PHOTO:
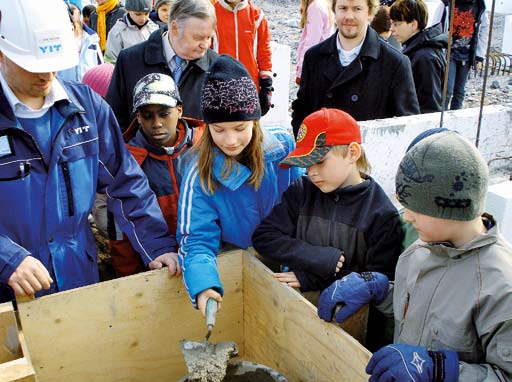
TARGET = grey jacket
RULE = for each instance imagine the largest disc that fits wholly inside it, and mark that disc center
(458, 299)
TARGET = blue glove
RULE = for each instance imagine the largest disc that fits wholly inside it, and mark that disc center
(413, 364)
(353, 292)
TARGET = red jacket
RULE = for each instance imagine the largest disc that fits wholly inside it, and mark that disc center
(164, 171)
(243, 33)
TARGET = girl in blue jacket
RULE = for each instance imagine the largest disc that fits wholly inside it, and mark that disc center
(235, 180)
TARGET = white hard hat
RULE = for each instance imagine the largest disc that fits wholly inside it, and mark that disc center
(37, 35)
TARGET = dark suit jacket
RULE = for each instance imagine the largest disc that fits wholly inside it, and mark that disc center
(377, 84)
(135, 62)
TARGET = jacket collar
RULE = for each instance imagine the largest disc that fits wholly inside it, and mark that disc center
(370, 48)
(429, 37)
(333, 70)
(154, 52)
(185, 138)
(482, 240)
(273, 150)
(241, 5)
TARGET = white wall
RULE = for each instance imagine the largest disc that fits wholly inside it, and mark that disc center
(386, 140)
(278, 115)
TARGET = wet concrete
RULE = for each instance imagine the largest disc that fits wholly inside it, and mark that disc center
(207, 362)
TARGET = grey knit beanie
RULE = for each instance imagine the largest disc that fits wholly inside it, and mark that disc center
(138, 5)
(444, 176)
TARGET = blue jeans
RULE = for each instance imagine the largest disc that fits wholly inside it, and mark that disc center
(457, 78)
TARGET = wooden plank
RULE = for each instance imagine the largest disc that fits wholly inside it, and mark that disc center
(282, 330)
(10, 348)
(126, 329)
(19, 370)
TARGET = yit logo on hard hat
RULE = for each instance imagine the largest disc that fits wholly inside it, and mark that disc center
(50, 48)
(49, 43)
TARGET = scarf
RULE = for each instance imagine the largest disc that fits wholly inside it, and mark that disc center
(102, 11)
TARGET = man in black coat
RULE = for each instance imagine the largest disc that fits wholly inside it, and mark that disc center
(182, 52)
(424, 47)
(355, 71)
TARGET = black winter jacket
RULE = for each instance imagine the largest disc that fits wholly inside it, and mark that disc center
(309, 230)
(426, 50)
(135, 62)
(377, 84)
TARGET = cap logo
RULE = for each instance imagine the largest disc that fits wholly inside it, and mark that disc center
(301, 134)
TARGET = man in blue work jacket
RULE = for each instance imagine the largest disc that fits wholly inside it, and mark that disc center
(59, 144)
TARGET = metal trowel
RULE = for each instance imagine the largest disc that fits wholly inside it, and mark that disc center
(211, 313)
(207, 362)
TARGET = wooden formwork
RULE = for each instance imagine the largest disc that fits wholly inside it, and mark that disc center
(128, 330)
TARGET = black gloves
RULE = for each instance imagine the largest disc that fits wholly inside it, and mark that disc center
(265, 95)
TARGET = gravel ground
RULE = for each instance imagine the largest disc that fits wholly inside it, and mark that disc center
(283, 17)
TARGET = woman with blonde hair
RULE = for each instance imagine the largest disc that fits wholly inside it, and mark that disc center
(234, 182)
(317, 23)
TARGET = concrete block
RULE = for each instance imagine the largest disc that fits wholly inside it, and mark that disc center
(507, 35)
(278, 115)
(502, 6)
(499, 204)
(385, 140)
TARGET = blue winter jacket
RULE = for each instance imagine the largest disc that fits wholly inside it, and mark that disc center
(45, 203)
(230, 214)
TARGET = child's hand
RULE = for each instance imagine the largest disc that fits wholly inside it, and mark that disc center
(288, 278)
(341, 260)
(204, 296)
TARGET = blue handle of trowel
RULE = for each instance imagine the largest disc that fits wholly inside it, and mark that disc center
(211, 312)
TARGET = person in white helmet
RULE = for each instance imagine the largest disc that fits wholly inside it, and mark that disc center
(59, 144)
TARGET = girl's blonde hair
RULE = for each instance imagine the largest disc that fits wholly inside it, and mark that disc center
(304, 4)
(251, 157)
(363, 165)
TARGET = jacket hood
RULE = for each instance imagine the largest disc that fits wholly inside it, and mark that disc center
(432, 37)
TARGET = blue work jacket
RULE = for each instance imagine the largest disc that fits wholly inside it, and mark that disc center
(45, 202)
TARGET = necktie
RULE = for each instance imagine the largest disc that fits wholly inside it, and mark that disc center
(178, 69)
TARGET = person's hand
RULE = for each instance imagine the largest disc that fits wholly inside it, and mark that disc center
(288, 278)
(30, 277)
(399, 362)
(203, 297)
(352, 292)
(479, 65)
(339, 265)
(265, 95)
(169, 259)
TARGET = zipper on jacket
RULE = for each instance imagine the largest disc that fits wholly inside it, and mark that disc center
(67, 182)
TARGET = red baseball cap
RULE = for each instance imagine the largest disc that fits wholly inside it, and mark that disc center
(318, 133)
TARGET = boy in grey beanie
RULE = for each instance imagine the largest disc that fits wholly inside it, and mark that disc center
(451, 299)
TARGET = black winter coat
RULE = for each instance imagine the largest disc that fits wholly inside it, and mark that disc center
(135, 62)
(377, 84)
(309, 230)
(426, 50)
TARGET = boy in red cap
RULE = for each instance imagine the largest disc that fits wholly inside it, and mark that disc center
(334, 220)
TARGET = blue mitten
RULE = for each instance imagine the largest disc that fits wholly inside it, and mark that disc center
(413, 363)
(352, 292)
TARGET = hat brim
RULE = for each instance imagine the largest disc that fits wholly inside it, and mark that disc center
(304, 157)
